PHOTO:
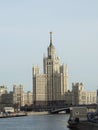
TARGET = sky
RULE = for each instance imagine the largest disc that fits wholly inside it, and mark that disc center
(24, 38)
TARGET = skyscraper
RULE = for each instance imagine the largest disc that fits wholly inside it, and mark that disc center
(49, 88)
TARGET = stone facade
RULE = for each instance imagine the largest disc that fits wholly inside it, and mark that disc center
(7, 99)
(15, 98)
(78, 94)
(3, 90)
(91, 97)
(49, 88)
(81, 96)
(28, 98)
(20, 97)
(3, 97)
(68, 98)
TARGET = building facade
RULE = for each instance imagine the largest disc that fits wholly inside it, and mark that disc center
(3, 90)
(81, 96)
(49, 88)
(91, 97)
(7, 99)
(68, 98)
(16, 98)
(28, 98)
(20, 97)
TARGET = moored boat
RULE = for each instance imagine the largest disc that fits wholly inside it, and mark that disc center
(81, 119)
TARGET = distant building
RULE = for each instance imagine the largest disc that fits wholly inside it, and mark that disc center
(28, 98)
(16, 98)
(9, 109)
(68, 98)
(81, 96)
(78, 94)
(7, 99)
(49, 88)
(91, 97)
(20, 97)
(3, 90)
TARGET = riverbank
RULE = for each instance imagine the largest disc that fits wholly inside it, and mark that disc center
(7, 115)
(37, 113)
(19, 114)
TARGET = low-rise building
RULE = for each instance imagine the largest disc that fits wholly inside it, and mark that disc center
(7, 99)
(81, 96)
(28, 98)
(20, 97)
(16, 98)
(91, 97)
(68, 98)
(3, 90)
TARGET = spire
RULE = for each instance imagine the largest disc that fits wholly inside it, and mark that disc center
(50, 38)
(66, 70)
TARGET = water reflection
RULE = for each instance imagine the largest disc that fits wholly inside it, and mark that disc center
(42, 122)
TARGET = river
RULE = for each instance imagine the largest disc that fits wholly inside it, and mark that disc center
(35, 122)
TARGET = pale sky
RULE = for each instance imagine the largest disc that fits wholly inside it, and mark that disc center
(24, 38)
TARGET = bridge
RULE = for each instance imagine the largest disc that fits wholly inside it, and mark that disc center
(56, 111)
(66, 109)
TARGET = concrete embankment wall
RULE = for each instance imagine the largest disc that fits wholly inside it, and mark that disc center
(37, 113)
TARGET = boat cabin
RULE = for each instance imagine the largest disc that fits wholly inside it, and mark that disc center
(79, 113)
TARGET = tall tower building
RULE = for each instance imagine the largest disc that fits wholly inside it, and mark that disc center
(49, 88)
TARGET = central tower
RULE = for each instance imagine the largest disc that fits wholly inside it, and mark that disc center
(51, 49)
(54, 80)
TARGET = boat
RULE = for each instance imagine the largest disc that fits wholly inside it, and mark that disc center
(81, 119)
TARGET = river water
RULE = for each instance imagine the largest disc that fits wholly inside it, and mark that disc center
(36, 122)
